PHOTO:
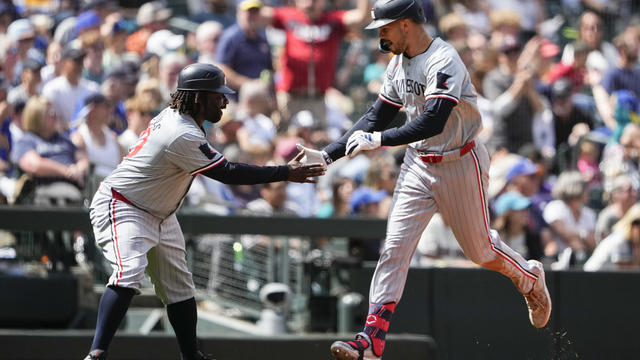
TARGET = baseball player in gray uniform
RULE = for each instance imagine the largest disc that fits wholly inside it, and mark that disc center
(444, 170)
(133, 211)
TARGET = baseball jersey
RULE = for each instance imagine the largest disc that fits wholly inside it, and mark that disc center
(160, 166)
(436, 73)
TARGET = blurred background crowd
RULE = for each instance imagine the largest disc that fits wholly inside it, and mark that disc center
(558, 86)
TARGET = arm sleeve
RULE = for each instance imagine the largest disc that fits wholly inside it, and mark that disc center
(376, 118)
(430, 123)
(244, 174)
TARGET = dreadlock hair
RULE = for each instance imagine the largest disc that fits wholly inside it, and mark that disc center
(186, 101)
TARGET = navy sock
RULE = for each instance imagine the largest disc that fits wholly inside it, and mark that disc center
(183, 316)
(113, 306)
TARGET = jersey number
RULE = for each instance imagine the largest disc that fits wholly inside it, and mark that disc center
(141, 141)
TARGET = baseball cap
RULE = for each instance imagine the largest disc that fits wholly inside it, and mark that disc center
(31, 64)
(561, 87)
(549, 49)
(95, 98)
(20, 29)
(364, 196)
(122, 72)
(249, 4)
(152, 11)
(522, 167)
(164, 41)
(86, 21)
(510, 201)
(72, 53)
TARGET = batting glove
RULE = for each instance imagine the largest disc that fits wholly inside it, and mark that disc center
(361, 140)
(312, 156)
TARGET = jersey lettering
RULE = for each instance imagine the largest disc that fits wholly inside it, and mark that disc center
(144, 136)
(409, 86)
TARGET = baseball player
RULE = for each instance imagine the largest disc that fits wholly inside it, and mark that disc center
(444, 170)
(133, 211)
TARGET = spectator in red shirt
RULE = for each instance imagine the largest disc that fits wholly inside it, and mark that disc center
(310, 53)
(575, 71)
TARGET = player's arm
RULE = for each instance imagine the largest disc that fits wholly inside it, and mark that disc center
(244, 174)
(376, 118)
(428, 124)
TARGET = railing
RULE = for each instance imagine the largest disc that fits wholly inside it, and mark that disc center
(231, 257)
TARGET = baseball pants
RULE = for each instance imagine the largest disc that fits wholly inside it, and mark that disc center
(457, 189)
(134, 241)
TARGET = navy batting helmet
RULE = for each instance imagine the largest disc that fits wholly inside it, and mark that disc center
(203, 77)
(387, 11)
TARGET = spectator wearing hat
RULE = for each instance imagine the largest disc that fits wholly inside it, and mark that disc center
(119, 86)
(243, 52)
(570, 122)
(29, 82)
(163, 42)
(22, 35)
(512, 223)
(365, 202)
(8, 14)
(620, 193)
(87, 22)
(574, 71)
(152, 16)
(66, 90)
(511, 90)
(208, 36)
(571, 221)
(308, 62)
(96, 139)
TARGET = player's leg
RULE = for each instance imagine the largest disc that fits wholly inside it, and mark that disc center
(463, 204)
(173, 284)
(118, 229)
(411, 210)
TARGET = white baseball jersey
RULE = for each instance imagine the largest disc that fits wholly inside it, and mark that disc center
(436, 73)
(455, 185)
(160, 166)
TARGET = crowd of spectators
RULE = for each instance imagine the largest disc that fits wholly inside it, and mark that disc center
(558, 86)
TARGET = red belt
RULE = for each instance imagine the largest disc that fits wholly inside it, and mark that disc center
(438, 157)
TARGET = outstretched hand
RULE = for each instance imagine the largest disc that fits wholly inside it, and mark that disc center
(303, 173)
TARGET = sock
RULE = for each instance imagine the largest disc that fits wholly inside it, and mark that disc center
(183, 317)
(113, 306)
(377, 324)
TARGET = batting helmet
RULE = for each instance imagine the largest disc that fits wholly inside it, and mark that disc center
(387, 11)
(203, 77)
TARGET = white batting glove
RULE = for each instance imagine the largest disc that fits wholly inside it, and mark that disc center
(361, 140)
(312, 156)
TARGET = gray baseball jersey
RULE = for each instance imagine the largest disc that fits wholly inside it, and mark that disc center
(436, 73)
(160, 166)
(453, 184)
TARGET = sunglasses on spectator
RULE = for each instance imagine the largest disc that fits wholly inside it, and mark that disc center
(635, 222)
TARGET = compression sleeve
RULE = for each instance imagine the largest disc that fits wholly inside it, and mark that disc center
(430, 123)
(245, 174)
(376, 118)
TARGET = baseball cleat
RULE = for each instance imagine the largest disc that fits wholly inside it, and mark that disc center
(538, 299)
(96, 355)
(358, 349)
(202, 356)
